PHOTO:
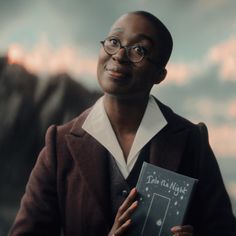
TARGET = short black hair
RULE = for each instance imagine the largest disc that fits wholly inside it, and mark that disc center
(165, 39)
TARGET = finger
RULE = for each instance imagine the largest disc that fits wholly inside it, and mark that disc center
(127, 214)
(183, 228)
(128, 201)
(123, 228)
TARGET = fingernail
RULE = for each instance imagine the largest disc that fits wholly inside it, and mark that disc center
(133, 191)
(176, 228)
(134, 204)
(128, 221)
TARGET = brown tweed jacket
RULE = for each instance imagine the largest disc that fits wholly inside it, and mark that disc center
(67, 190)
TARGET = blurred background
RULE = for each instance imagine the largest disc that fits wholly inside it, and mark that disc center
(48, 54)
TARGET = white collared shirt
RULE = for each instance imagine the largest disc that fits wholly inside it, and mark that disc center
(98, 125)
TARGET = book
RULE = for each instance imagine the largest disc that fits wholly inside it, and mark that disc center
(163, 197)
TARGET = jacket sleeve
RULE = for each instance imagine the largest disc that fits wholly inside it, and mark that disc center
(212, 202)
(39, 211)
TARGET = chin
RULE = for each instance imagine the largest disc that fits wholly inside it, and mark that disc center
(110, 85)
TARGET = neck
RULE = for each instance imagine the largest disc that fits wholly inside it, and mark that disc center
(125, 115)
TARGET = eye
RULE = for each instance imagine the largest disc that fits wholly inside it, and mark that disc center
(113, 42)
(139, 50)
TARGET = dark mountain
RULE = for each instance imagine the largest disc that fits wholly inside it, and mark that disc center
(28, 106)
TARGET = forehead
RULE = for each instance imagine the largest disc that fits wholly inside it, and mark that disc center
(134, 26)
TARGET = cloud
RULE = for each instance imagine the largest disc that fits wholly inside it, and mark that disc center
(224, 55)
(207, 107)
(222, 138)
(180, 73)
(231, 110)
(207, 100)
(221, 55)
(212, 108)
(222, 135)
(44, 60)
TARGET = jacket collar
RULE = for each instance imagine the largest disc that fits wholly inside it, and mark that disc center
(92, 161)
(167, 147)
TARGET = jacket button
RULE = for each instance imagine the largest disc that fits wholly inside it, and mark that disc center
(124, 193)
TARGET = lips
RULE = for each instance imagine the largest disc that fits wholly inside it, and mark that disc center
(117, 72)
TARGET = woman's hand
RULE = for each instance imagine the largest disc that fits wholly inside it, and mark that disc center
(185, 230)
(122, 219)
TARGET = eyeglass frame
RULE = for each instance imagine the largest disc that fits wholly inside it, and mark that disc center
(127, 48)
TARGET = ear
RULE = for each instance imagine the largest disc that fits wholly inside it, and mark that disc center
(161, 74)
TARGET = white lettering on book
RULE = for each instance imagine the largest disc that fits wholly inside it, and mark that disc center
(171, 185)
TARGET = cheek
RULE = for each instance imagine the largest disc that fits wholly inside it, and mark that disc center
(102, 59)
(145, 76)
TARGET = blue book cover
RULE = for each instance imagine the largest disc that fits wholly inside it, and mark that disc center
(163, 198)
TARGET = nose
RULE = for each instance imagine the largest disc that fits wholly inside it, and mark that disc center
(121, 55)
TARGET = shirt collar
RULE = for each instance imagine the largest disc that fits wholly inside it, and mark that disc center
(98, 125)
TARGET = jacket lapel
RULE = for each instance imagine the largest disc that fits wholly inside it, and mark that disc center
(92, 160)
(167, 147)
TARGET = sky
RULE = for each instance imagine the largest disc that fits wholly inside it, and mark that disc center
(51, 36)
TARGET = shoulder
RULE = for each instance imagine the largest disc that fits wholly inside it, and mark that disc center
(198, 133)
(58, 132)
(176, 120)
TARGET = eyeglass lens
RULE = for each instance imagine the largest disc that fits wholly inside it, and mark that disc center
(113, 45)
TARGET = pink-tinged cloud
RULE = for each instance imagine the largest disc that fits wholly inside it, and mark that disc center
(224, 54)
(44, 60)
(207, 107)
(231, 110)
(212, 109)
(222, 136)
(222, 139)
(180, 73)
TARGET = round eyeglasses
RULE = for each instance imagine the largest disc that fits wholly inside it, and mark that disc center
(112, 45)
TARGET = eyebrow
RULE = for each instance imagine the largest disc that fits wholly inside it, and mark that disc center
(144, 36)
(118, 29)
(139, 36)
